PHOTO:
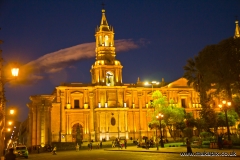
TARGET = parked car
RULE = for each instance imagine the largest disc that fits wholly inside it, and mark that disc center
(21, 151)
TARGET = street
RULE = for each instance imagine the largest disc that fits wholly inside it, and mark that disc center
(101, 154)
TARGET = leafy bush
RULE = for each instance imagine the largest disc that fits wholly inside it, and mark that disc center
(205, 134)
(235, 140)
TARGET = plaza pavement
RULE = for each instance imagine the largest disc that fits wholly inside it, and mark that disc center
(175, 150)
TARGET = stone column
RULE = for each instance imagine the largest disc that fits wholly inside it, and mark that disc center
(34, 124)
(46, 124)
(63, 116)
(91, 116)
(140, 115)
(30, 127)
(38, 135)
(126, 123)
(49, 125)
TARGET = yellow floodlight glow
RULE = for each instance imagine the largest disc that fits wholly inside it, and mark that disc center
(12, 111)
(220, 106)
(229, 103)
(15, 72)
(146, 83)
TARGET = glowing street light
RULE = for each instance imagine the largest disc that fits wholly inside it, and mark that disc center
(152, 83)
(10, 123)
(12, 111)
(3, 81)
(225, 106)
(15, 71)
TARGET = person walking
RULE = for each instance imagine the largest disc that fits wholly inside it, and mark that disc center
(157, 143)
(125, 143)
(80, 144)
(54, 152)
(113, 144)
(77, 147)
(220, 141)
(91, 144)
(10, 155)
(100, 144)
(189, 149)
(89, 147)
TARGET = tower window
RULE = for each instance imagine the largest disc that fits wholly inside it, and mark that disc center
(109, 79)
(106, 41)
(76, 103)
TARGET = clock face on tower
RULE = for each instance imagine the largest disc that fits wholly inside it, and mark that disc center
(109, 79)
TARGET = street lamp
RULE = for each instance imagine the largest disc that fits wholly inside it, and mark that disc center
(159, 117)
(3, 81)
(11, 111)
(225, 106)
(152, 83)
(3, 100)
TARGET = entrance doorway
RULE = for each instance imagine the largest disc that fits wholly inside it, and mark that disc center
(77, 133)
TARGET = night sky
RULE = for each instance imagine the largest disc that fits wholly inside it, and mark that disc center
(154, 39)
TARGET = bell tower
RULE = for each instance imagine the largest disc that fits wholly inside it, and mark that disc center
(237, 30)
(106, 70)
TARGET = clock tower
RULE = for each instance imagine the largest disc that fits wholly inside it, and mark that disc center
(106, 70)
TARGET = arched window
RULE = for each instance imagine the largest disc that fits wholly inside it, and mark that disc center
(106, 40)
(109, 79)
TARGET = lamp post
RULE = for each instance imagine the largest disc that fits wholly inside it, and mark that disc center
(159, 117)
(225, 106)
(152, 83)
(3, 81)
(9, 125)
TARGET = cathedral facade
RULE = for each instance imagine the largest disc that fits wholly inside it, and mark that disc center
(104, 109)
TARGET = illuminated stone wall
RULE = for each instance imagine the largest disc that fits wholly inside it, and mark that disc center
(104, 109)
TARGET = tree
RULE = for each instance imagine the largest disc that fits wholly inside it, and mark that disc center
(209, 117)
(218, 67)
(172, 114)
(190, 123)
(232, 118)
(236, 101)
(213, 71)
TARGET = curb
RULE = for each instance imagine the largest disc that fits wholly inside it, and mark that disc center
(141, 151)
(163, 152)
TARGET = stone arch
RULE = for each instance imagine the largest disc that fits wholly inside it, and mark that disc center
(77, 132)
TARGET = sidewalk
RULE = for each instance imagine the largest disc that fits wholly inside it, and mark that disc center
(176, 150)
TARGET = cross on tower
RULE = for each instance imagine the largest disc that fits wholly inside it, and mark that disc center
(103, 5)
